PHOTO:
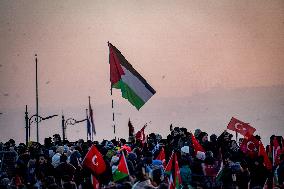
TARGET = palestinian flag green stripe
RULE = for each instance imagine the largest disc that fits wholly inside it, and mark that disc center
(129, 94)
(123, 62)
(117, 175)
(136, 85)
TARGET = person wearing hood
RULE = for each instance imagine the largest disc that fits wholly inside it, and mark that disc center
(203, 140)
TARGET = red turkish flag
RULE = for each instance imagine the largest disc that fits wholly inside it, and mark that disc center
(140, 135)
(95, 182)
(94, 161)
(263, 153)
(162, 157)
(240, 127)
(250, 146)
(196, 145)
(276, 152)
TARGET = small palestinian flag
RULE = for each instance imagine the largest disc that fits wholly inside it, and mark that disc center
(177, 174)
(168, 169)
(162, 157)
(122, 169)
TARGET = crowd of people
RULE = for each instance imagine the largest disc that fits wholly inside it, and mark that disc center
(221, 163)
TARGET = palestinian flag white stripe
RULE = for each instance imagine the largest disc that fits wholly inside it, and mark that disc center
(123, 62)
(136, 85)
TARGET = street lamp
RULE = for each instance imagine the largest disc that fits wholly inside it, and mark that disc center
(69, 121)
(34, 118)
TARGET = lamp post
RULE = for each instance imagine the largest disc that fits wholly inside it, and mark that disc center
(27, 125)
(34, 118)
(69, 121)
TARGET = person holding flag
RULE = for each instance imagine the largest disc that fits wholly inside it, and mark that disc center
(121, 171)
(94, 162)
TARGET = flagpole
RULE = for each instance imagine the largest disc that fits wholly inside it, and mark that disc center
(112, 107)
(273, 155)
(112, 103)
(37, 131)
(92, 136)
(63, 127)
(87, 121)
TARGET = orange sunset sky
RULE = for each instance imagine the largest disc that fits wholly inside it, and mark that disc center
(207, 60)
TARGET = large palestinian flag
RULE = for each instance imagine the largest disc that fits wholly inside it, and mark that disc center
(123, 76)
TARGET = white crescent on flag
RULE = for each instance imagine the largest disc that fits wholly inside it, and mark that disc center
(251, 146)
(240, 127)
(94, 160)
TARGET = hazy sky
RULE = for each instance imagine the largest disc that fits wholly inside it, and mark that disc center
(184, 49)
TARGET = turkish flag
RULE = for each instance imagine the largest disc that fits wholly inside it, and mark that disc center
(94, 161)
(240, 127)
(95, 182)
(250, 146)
(196, 145)
(263, 153)
(276, 152)
(140, 135)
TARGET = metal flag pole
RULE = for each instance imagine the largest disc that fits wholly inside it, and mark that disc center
(92, 134)
(63, 127)
(37, 129)
(87, 121)
(112, 103)
(112, 107)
